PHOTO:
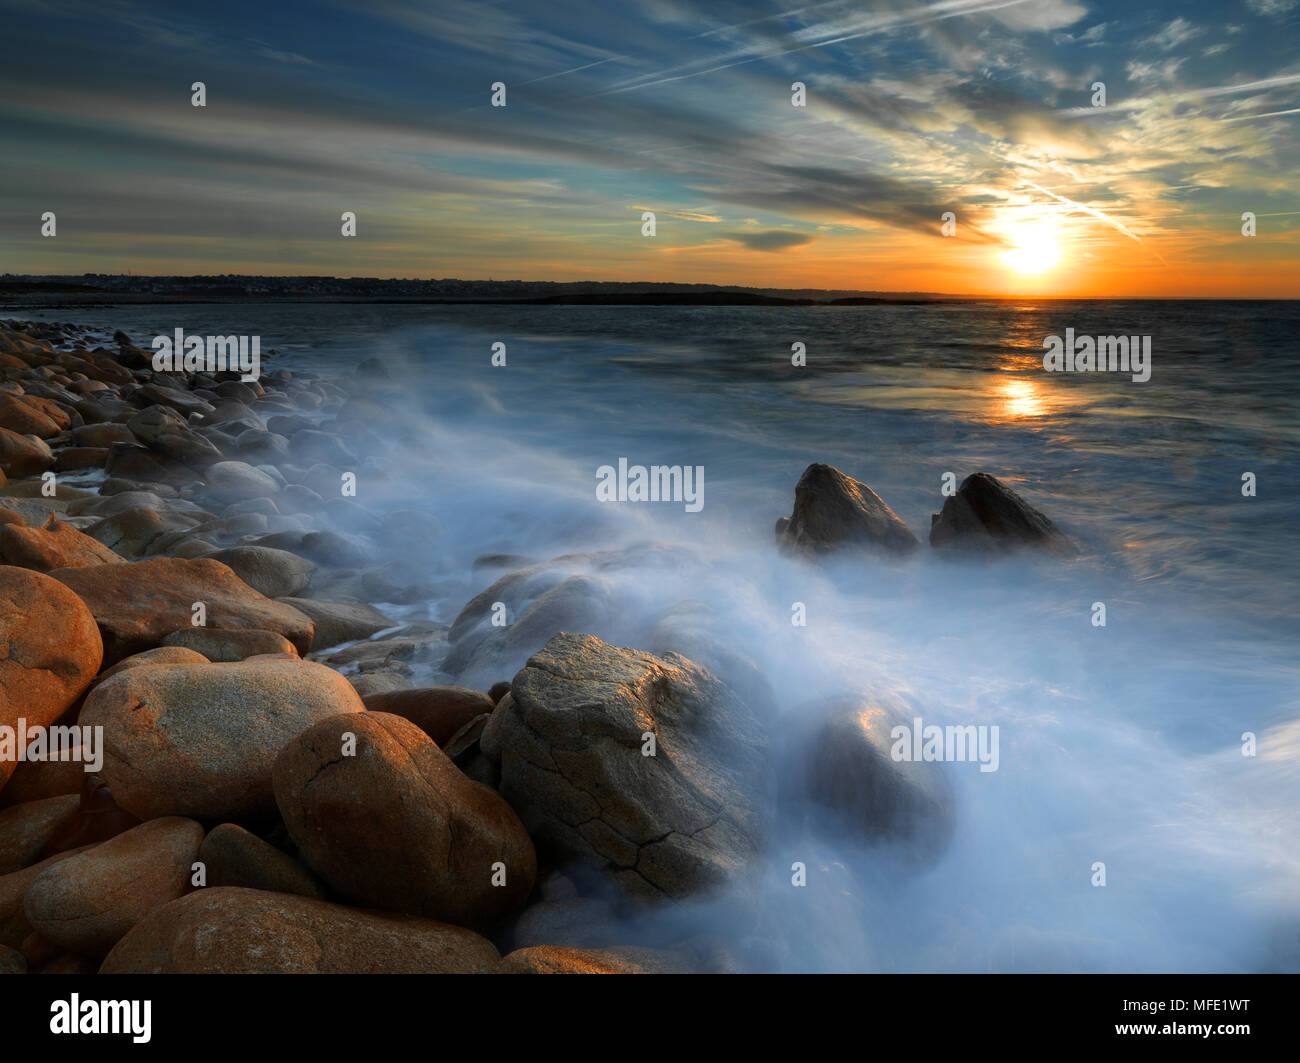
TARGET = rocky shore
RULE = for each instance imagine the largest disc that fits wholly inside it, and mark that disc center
(295, 775)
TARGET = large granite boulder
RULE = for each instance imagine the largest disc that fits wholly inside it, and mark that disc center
(571, 742)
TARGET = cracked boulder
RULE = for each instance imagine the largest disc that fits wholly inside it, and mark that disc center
(570, 739)
(986, 517)
(835, 512)
(199, 740)
(384, 817)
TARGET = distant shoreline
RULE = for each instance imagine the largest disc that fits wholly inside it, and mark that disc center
(41, 298)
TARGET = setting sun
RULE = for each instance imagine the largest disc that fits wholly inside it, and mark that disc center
(1034, 249)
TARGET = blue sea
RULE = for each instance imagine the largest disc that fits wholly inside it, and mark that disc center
(1121, 745)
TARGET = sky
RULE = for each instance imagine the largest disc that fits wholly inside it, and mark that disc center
(984, 109)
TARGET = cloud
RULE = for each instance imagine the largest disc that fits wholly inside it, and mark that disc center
(770, 239)
(1177, 32)
(1271, 7)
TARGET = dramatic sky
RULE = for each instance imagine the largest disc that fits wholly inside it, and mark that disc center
(682, 107)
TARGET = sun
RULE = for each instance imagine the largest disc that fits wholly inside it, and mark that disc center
(1034, 249)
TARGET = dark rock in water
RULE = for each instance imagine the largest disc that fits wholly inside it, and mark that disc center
(986, 516)
(833, 511)
(844, 762)
(570, 741)
(497, 691)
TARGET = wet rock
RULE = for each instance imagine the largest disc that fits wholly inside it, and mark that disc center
(987, 517)
(569, 739)
(833, 512)
(844, 763)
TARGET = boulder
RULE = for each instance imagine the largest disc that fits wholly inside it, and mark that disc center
(437, 711)
(85, 904)
(396, 825)
(25, 829)
(569, 739)
(986, 517)
(221, 646)
(338, 622)
(843, 762)
(14, 927)
(199, 740)
(21, 416)
(23, 455)
(53, 651)
(228, 930)
(137, 605)
(833, 512)
(137, 532)
(54, 545)
(233, 856)
(166, 434)
(275, 573)
(234, 481)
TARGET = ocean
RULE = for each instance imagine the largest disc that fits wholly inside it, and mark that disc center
(1121, 745)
